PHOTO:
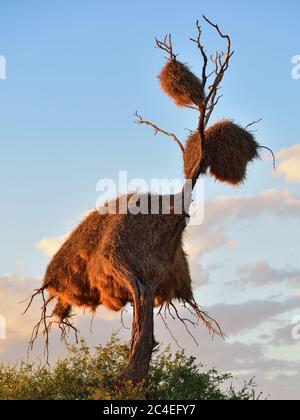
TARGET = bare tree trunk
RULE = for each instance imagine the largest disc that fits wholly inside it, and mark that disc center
(142, 338)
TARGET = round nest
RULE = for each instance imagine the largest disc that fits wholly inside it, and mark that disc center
(229, 149)
(180, 84)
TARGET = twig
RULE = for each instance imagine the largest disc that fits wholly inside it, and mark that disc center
(253, 123)
(185, 325)
(211, 324)
(170, 331)
(166, 45)
(65, 325)
(92, 322)
(32, 297)
(272, 153)
(158, 130)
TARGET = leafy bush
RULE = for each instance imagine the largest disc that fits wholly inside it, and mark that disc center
(86, 375)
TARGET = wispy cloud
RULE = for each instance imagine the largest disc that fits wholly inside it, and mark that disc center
(211, 235)
(49, 246)
(262, 274)
(246, 316)
(289, 163)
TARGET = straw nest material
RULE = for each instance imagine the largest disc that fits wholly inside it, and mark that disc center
(91, 267)
(180, 84)
(229, 149)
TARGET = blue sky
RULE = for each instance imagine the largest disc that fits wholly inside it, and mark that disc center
(76, 73)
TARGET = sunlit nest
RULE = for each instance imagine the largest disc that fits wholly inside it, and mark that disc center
(180, 84)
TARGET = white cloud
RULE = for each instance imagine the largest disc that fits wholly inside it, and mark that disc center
(272, 202)
(211, 235)
(239, 317)
(261, 274)
(14, 289)
(289, 163)
(49, 246)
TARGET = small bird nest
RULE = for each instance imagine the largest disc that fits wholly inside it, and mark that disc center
(180, 84)
(229, 149)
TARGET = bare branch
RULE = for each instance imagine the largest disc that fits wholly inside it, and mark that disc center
(253, 123)
(272, 153)
(166, 45)
(262, 147)
(170, 331)
(32, 297)
(210, 109)
(184, 322)
(195, 108)
(203, 53)
(43, 327)
(221, 64)
(158, 130)
(211, 324)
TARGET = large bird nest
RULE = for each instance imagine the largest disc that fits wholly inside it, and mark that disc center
(93, 265)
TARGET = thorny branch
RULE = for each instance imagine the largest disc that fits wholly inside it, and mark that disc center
(156, 129)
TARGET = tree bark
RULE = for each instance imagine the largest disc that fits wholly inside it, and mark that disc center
(142, 337)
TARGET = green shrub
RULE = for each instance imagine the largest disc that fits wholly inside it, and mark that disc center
(86, 375)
